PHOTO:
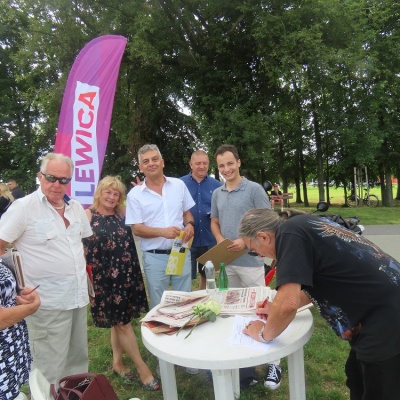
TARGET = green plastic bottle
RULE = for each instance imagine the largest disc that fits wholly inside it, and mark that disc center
(222, 278)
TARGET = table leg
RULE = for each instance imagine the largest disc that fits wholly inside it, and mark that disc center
(236, 382)
(168, 380)
(297, 386)
(226, 384)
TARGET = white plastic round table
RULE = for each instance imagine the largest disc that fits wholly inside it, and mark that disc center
(207, 348)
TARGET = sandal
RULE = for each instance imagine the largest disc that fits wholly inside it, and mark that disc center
(152, 386)
(126, 376)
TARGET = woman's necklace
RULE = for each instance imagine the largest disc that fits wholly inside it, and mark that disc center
(58, 208)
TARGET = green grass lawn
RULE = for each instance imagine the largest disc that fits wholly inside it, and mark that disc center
(368, 215)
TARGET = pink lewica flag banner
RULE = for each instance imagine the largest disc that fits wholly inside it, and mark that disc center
(85, 116)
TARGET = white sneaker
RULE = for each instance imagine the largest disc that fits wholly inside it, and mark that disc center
(273, 378)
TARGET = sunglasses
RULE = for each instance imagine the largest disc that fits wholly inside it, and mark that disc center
(53, 179)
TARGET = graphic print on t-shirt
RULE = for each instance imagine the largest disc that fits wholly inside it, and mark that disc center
(333, 314)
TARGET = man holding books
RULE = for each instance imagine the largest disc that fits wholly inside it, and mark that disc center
(47, 228)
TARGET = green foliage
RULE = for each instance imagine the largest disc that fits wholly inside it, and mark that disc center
(301, 88)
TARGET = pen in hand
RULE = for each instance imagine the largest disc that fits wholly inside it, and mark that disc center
(264, 303)
(33, 289)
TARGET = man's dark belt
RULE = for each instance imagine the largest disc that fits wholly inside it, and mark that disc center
(156, 251)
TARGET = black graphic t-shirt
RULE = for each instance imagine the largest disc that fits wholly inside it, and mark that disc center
(353, 283)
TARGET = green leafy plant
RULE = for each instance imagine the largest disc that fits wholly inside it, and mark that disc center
(202, 312)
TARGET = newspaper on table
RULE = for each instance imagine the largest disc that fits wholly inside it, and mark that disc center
(176, 308)
(242, 301)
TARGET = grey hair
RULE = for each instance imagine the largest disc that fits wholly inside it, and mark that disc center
(146, 148)
(264, 220)
(56, 156)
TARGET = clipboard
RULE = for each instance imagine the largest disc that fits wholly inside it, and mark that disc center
(220, 254)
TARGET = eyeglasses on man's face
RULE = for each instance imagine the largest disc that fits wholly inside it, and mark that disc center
(53, 179)
(252, 252)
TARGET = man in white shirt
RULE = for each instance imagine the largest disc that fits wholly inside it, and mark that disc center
(158, 210)
(47, 228)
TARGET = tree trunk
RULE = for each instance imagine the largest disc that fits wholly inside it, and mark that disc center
(398, 183)
(318, 145)
(304, 181)
(387, 195)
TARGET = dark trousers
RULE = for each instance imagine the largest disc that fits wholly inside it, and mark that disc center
(196, 252)
(373, 380)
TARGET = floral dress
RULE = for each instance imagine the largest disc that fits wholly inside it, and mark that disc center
(15, 355)
(119, 289)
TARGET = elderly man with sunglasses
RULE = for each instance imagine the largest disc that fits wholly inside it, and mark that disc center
(47, 228)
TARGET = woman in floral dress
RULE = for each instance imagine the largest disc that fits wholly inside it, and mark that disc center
(117, 279)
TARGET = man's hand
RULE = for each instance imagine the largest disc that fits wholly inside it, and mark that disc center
(188, 233)
(237, 245)
(253, 328)
(171, 232)
(262, 309)
(137, 183)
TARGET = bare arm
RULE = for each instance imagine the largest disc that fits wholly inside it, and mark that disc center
(88, 214)
(280, 313)
(141, 230)
(304, 299)
(27, 304)
(3, 246)
(188, 231)
(216, 230)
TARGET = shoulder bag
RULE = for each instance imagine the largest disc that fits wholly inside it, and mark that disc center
(86, 386)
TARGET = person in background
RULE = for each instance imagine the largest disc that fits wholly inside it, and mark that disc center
(229, 203)
(157, 210)
(15, 353)
(352, 282)
(47, 228)
(16, 191)
(6, 198)
(201, 187)
(276, 196)
(119, 290)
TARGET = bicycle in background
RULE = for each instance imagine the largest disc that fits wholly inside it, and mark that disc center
(369, 200)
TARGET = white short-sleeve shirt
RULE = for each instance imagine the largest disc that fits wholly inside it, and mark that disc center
(144, 206)
(52, 254)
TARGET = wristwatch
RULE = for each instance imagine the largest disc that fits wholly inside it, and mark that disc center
(261, 337)
(190, 223)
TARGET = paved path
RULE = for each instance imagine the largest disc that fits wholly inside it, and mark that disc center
(387, 237)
